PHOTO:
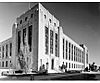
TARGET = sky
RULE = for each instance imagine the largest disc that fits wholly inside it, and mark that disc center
(80, 21)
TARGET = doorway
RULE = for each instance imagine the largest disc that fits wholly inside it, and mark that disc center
(52, 64)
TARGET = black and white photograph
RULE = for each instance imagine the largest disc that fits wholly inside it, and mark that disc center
(50, 41)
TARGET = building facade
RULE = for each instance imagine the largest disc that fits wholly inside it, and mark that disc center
(38, 39)
(6, 54)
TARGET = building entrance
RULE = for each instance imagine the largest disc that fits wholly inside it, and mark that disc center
(52, 64)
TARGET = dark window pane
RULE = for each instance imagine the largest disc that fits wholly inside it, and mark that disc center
(19, 40)
(46, 40)
(30, 37)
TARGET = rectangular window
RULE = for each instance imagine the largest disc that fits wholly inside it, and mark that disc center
(80, 56)
(19, 40)
(6, 50)
(31, 15)
(66, 64)
(52, 64)
(56, 45)
(83, 56)
(72, 52)
(66, 49)
(24, 36)
(46, 40)
(3, 64)
(30, 37)
(87, 58)
(69, 65)
(6, 63)
(74, 65)
(69, 50)
(2, 51)
(63, 48)
(51, 41)
(10, 49)
(76, 53)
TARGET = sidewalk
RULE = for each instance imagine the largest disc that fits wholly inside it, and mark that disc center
(91, 72)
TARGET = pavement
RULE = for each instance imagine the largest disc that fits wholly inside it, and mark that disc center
(91, 72)
(53, 76)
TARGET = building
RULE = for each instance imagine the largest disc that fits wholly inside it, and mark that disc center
(6, 54)
(38, 39)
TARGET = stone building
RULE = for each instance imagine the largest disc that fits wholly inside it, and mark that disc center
(38, 39)
(6, 54)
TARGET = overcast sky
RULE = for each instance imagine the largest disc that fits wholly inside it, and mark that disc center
(80, 21)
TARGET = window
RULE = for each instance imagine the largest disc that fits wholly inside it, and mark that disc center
(50, 20)
(10, 61)
(10, 49)
(46, 40)
(25, 18)
(74, 65)
(69, 50)
(72, 52)
(76, 53)
(69, 65)
(66, 64)
(6, 63)
(54, 24)
(6, 50)
(2, 63)
(56, 45)
(52, 64)
(51, 41)
(82, 57)
(19, 40)
(66, 49)
(45, 16)
(87, 58)
(30, 37)
(20, 21)
(31, 15)
(24, 36)
(2, 51)
(79, 55)
(10, 64)
(63, 48)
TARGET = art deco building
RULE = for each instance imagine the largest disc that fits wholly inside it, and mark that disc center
(38, 39)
